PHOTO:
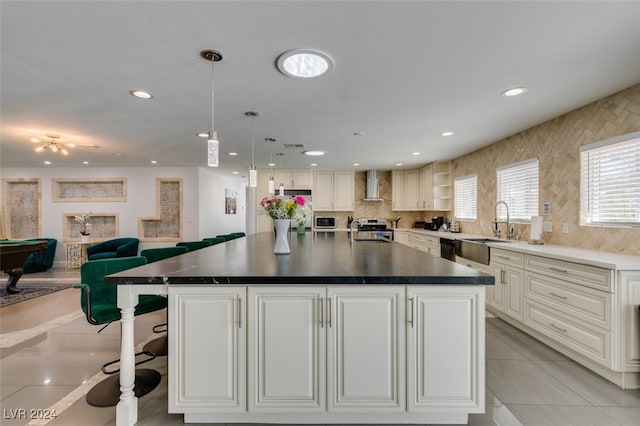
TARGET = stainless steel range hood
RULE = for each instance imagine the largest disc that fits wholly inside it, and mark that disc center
(373, 187)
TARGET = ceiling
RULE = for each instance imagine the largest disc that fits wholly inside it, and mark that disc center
(404, 71)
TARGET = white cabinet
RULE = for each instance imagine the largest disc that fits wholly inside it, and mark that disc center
(397, 190)
(506, 294)
(196, 381)
(425, 188)
(444, 366)
(286, 349)
(366, 341)
(294, 179)
(423, 242)
(411, 190)
(333, 191)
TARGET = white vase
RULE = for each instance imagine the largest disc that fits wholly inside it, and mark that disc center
(85, 238)
(282, 236)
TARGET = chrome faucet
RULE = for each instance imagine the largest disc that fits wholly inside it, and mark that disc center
(351, 228)
(496, 230)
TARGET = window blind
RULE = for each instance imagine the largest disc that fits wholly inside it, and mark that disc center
(465, 195)
(610, 182)
(518, 187)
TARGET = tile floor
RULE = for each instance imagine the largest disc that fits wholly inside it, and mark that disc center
(50, 355)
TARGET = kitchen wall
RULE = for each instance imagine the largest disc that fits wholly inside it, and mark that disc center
(556, 143)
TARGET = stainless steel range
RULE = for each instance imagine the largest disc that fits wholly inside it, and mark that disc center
(374, 227)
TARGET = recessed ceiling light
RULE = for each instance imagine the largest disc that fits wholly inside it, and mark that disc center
(314, 152)
(233, 154)
(203, 135)
(398, 164)
(141, 94)
(415, 153)
(271, 164)
(313, 164)
(356, 164)
(85, 162)
(446, 134)
(47, 162)
(154, 162)
(514, 91)
(304, 63)
(235, 173)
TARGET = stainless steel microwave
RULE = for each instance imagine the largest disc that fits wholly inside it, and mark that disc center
(325, 222)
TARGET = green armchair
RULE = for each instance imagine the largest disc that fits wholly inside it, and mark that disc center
(160, 253)
(118, 247)
(193, 245)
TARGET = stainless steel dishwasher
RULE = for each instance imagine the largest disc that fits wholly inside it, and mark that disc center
(448, 249)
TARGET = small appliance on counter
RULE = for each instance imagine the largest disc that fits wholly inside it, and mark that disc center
(455, 226)
(437, 222)
(375, 226)
(421, 225)
(325, 222)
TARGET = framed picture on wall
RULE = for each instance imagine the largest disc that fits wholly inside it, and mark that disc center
(230, 201)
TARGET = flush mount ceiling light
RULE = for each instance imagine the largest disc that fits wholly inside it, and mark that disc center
(304, 63)
(514, 91)
(446, 134)
(53, 145)
(141, 94)
(212, 143)
(314, 152)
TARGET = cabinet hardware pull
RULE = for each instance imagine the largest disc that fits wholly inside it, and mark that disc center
(321, 313)
(558, 296)
(411, 310)
(553, 268)
(502, 279)
(557, 328)
(504, 257)
(329, 301)
(239, 312)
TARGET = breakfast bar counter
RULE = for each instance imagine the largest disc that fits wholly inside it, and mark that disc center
(337, 331)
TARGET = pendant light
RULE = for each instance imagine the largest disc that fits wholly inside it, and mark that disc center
(272, 181)
(253, 172)
(212, 142)
(281, 188)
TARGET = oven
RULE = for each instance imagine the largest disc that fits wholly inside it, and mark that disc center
(375, 227)
(448, 249)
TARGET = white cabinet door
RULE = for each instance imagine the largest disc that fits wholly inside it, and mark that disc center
(365, 349)
(323, 191)
(425, 188)
(411, 190)
(287, 347)
(302, 179)
(343, 191)
(397, 190)
(445, 354)
(507, 294)
(207, 349)
(284, 177)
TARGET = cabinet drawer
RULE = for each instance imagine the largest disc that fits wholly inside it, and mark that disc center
(593, 343)
(506, 257)
(583, 303)
(418, 238)
(590, 276)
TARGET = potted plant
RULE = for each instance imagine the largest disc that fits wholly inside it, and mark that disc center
(85, 226)
(282, 210)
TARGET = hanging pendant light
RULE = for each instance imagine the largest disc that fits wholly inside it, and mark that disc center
(281, 189)
(253, 172)
(272, 181)
(212, 142)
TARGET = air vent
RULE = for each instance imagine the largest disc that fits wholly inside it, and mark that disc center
(294, 146)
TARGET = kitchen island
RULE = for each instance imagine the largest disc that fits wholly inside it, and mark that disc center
(335, 332)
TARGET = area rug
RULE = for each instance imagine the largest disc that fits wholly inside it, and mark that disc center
(29, 291)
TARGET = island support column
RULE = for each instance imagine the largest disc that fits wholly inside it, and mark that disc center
(127, 409)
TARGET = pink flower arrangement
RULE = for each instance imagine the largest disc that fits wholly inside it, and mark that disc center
(278, 207)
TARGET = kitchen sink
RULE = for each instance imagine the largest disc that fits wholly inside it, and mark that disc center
(476, 249)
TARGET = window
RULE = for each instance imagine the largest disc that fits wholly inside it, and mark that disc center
(465, 194)
(610, 182)
(518, 187)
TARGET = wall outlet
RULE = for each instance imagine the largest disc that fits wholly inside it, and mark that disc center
(546, 227)
(565, 228)
(546, 209)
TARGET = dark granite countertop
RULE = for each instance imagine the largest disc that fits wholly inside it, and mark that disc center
(327, 258)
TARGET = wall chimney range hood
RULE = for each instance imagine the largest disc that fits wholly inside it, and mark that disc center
(373, 187)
